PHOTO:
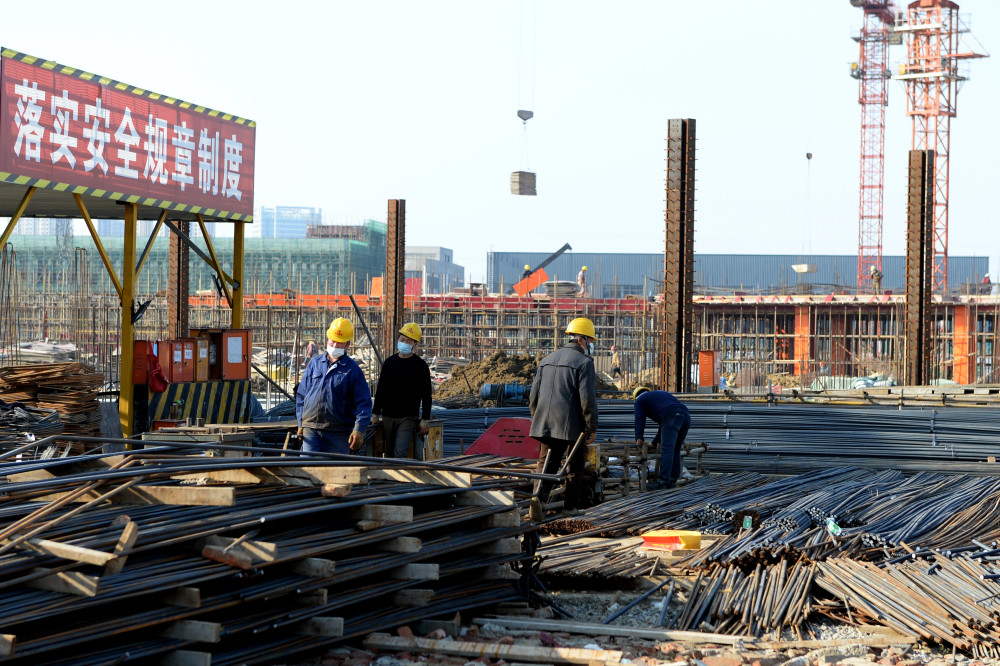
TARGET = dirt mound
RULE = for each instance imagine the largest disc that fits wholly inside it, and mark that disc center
(497, 369)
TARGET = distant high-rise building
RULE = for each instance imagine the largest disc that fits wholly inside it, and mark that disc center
(434, 267)
(288, 221)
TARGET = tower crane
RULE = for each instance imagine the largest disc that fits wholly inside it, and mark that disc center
(936, 46)
(872, 73)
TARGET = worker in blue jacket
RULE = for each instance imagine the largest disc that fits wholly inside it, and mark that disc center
(673, 420)
(333, 404)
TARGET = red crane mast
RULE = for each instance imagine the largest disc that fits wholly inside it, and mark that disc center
(931, 74)
(872, 73)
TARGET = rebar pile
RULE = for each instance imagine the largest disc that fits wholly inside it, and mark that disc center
(277, 570)
(68, 388)
(784, 438)
(950, 598)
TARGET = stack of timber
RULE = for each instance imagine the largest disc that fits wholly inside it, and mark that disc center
(154, 554)
(68, 388)
(561, 289)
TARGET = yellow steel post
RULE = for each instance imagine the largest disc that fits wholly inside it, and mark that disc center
(126, 399)
(16, 216)
(238, 231)
(100, 246)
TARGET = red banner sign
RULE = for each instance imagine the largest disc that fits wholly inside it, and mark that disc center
(74, 128)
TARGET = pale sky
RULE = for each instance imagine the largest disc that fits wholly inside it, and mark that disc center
(360, 102)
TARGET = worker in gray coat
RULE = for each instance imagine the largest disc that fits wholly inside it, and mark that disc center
(563, 405)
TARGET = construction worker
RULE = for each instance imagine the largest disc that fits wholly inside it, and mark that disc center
(581, 281)
(563, 404)
(333, 404)
(311, 350)
(876, 280)
(403, 396)
(674, 420)
(616, 363)
(527, 271)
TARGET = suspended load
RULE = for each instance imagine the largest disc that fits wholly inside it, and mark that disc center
(523, 182)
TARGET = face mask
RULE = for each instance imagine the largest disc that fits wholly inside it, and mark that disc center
(335, 352)
(590, 348)
(404, 347)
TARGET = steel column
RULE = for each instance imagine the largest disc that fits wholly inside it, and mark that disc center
(920, 250)
(178, 284)
(678, 264)
(394, 284)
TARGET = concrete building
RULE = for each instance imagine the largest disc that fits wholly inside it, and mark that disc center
(287, 221)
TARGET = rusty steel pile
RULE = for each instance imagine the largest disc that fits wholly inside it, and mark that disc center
(914, 553)
(157, 552)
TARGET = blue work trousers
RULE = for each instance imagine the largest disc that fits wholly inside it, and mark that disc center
(673, 430)
(326, 441)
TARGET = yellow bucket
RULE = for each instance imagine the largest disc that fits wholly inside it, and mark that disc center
(672, 540)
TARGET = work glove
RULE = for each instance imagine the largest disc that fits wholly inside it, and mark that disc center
(424, 427)
(356, 439)
(376, 419)
(640, 441)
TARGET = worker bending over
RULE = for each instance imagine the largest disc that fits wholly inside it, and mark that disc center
(673, 420)
(333, 404)
(563, 404)
(403, 395)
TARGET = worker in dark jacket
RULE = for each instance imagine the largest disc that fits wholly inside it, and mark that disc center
(673, 420)
(403, 397)
(563, 404)
(333, 404)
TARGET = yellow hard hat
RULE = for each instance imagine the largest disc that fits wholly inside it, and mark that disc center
(639, 391)
(411, 330)
(582, 326)
(527, 267)
(584, 268)
(341, 330)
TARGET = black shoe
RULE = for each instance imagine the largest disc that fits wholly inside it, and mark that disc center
(659, 485)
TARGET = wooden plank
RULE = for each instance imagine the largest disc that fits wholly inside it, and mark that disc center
(67, 582)
(415, 571)
(315, 567)
(186, 658)
(596, 629)
(386, 513)
(321, 626)
(182, 597)
(252, 475)
(510, 546)
(369, 525)
(413, 598)
(169, 495)
(427, 476)
(258, 551)
(323, 475)
(194, 630)
(33, 475)
(126, 541)
(881, 641)
(401, 545)
(234, 558)
(7, 644)
(312, 597)
(505, 519)
(450, 627)
(486, 498)
(493, 650)
(336, 490)
(68, 551)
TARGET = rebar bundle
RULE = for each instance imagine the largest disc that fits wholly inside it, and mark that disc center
(278, 569)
